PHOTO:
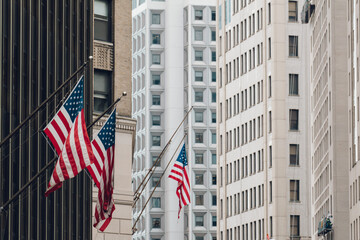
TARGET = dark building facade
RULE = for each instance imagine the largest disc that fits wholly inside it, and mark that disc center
(41, 44)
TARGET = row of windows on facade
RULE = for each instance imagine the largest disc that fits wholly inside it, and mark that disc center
(199, 201)
(198, 179)
(198, 138)
(199, 222)
(199, 118)
(250, 230)
(200, 159)
(198, 77)
(198, 98)
(354, 192)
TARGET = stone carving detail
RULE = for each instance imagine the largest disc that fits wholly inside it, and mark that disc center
(103, 56)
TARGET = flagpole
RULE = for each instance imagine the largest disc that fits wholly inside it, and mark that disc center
(2, 208)
(42, 104)
(157, 184)
(151, 170)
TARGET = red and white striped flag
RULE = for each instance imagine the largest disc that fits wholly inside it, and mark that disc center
(67, 131)
(179, 174)
(102, 172)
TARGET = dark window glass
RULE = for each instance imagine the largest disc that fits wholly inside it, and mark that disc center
(198, 14)
(156, 100)
(293, 84)
(156, 120)
(213, 76)
(199, 179)
(156, 79)
(102, 20)
(199, 138)
(213, 36)
(199, 158)
(102, 90)
(198, 96)
(156, 38)
(213, 56)
(213, 15)
(294, 226)
(293, 11)
(155, 18)
(294, 119)
(294, 190)
(199, 200)
(294, 154)
(156, 202)
(198, 55)
(156, 223)
(198, 76)
(156, 141)
(293, 46)
(199, 221)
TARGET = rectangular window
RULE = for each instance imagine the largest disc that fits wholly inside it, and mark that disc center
(294, 190)
(156, 120)
(213, 56)
(294, 154)
(213, 158)
(213, 15)
(199, 158)
(213, 36)
(213, 138)
(199, 96)
(213, 117)
(199, 138)
(270, 87)
(199, 200)
(156, 222)
(156, 202)
(269, 46)
(198, 35)
(155, 181)
(270, 191)
(102, 90)
(199, 117)
(293, 46)
(156, 79)
(154, 158)
(199, 76)
(214, 220)
(156, 141)
(156, 100)
(294, 119)
(102, 20)
(155, 58)
(213, 76)
(293, 11)
(198, 56)
(199, 221)
(213, 97)
(294, 226)
(214, 200)
(269, 13)
(199, 179)
(270, 122)
(155, 18)
(198, 14)
(213, 179)
(156, 38)
(293, 84)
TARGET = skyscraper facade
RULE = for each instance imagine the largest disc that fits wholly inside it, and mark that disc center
(330, 92)
(174, 69)
(262, 122)
(41, 44)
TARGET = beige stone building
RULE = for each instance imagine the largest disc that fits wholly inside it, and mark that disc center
(112, 77)
(331, 121)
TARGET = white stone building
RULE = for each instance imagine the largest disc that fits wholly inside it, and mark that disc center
(174, 68)
(263, 127)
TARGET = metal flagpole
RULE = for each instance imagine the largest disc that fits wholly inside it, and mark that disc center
(157, 184)
(2, 208)
(147, 177)
(42, 104)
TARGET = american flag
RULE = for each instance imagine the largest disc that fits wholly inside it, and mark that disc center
(179, 174)
(67, 132)
(102, 172)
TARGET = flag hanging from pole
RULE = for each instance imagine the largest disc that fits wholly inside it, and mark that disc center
(102, 172)
(179, 174)
(67, 132)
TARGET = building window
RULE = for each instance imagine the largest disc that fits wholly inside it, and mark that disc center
(199, 76)
(102, 20)
(156, 202)
(293, 84)
(199, 200)
(199, 179)
(293, 46)
(199, 221)
(199, 138)
(155, 181)
(156, 100)
(294, 190)
(293, 11)
(198, 14)
(102, 90)
(213, 15)
(294, 154)
(213, 56)
(199, 117)
(213, 96)
(156, 38)
(214, 220)
(269, 46)
(156, 222)
(213, 117)
(155, 18)
(155, 58)
(213, 36)
(213, 158)
(198, 35)
(199, 158)
(213, 138)
(213, 180)
(294, 119)
(154, 158)
(156, 120)
(213, 76)
(156, 141)
(156, 79)
(295, 226)
(198, 96)
(213, 201)
(198, 55)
